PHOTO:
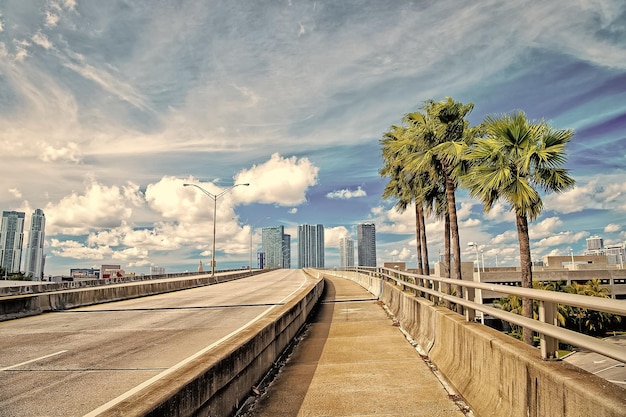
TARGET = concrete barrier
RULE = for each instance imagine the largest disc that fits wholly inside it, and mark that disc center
(89, 293)
(496, 374)
(217, 382)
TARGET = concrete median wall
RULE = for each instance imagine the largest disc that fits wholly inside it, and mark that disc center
(23, 305)
(496, 374)
(217, 382)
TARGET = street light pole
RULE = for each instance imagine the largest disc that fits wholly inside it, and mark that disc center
(214, 197)
(479, 295)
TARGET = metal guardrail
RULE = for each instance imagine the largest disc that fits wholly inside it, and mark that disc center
(546, 326)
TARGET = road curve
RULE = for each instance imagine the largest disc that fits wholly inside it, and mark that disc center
(73, 362)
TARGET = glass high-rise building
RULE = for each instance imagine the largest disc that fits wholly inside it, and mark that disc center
(35, 258)
(366, 236)
(11, 240)
(276, 247)
(311, 246)
(346, 252)
(286, 251)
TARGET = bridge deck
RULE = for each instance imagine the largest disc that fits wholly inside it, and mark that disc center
(354, 362)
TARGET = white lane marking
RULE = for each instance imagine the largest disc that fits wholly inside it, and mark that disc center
(32, 360)
(180, 364)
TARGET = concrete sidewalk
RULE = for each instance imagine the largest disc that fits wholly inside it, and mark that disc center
(354, 362)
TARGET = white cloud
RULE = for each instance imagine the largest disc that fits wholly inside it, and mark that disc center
(15, 192)
(76, 250)
(52, 19)
(293, 210)
(280, 181)
(507, 237)
(544, 228)
(41, 40)
(612, 227)
(608, 193)
(98, 207)
(69, 152)
(346, 194)
(500, 213)
(560, 239)
(464, 211)
(333, 234)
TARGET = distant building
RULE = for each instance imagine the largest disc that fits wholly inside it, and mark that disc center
(85, 273)
(346, 252)
(160, 270)
(366, 236)
(35, 258)
(616, 254)
(595, 246)
(11, 240)
(111, 271)
(286, 251)
(311, 246)
(277, 252)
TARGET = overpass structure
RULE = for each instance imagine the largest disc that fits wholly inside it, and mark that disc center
(494, 374)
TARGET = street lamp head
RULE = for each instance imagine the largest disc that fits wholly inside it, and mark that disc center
(471, 244)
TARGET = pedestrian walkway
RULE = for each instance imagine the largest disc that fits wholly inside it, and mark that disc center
(354, 362)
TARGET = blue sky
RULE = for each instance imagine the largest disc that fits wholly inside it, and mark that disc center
(107, 108)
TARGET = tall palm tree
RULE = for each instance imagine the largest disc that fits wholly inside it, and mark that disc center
(406, 187)
(446, 135)
(517, 159)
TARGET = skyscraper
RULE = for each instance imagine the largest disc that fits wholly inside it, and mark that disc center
(276, 247)
(311, 246)
(366, 236)
(286, 251)
(346, 251)
(11, 240)
(35, 259)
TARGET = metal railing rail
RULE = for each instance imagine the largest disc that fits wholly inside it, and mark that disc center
(546, 326)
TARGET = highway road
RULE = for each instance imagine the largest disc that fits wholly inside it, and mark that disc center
(78, 362)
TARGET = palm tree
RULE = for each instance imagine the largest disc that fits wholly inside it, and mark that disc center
(515, 160)
(406, 187)
(445, 136)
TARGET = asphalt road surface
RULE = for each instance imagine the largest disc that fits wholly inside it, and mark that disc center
(73, 362)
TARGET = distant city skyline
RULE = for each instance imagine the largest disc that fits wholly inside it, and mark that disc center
(108, 108)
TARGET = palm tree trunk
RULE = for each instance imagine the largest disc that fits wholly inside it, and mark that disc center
(426, 265)
(418, 237)
(454, 230)
(447, 256)
(526, 271)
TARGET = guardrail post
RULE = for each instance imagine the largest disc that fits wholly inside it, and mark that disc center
(549, 345)
(468, 294)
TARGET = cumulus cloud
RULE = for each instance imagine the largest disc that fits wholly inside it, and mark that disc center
(281, 181)
(612, 227)
(293, 210)
(98, 207)
(77, 250)
(508, 236)
(560, 239)
(346, 194)
(15, 192)
(544, 228)
(333, 234)
(609, 193)
(500, 213)
(68, 152)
